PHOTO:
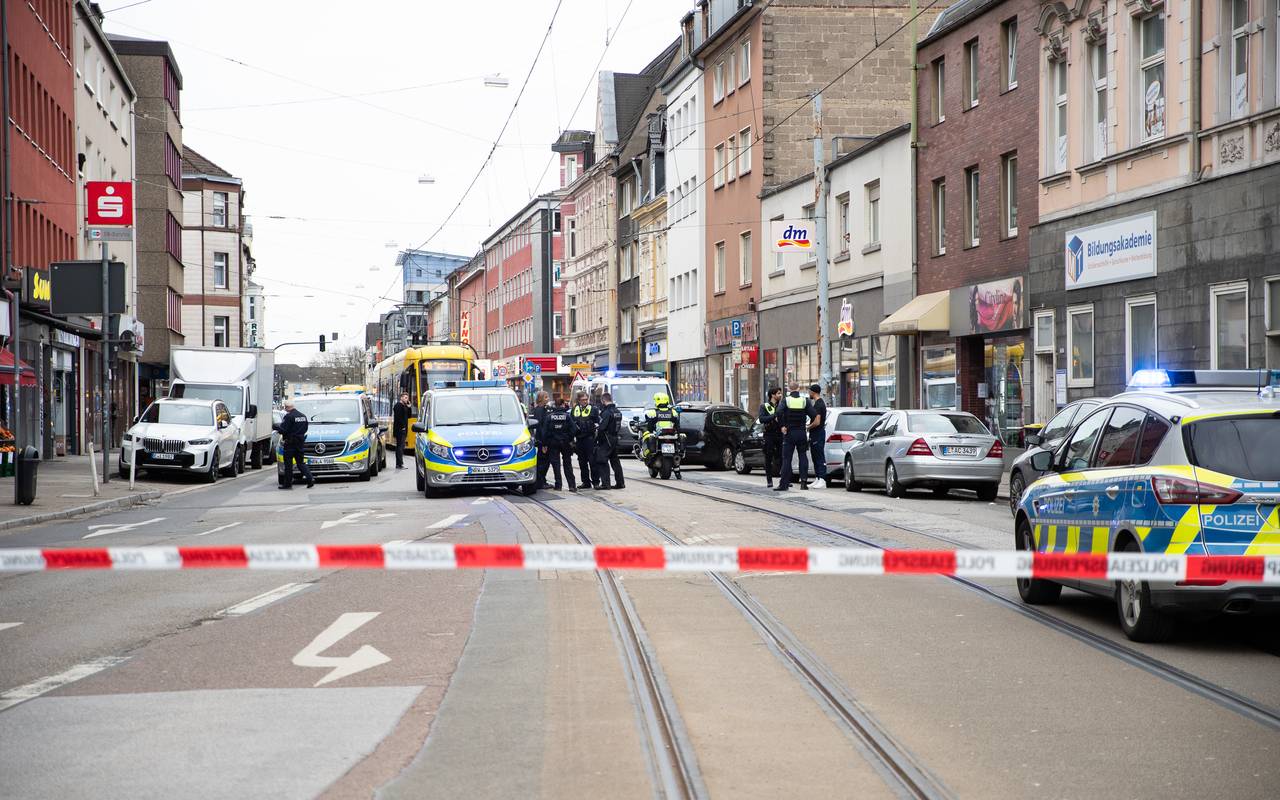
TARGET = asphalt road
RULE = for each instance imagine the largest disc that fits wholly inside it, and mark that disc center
(349, 683)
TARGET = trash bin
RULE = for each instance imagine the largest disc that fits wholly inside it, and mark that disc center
(30, 458)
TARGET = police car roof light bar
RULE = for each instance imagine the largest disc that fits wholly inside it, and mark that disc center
(468, 384)
(1255, 379)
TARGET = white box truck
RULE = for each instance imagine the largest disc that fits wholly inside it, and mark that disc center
(241, 377)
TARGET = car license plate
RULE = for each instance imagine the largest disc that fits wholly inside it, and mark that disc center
(320, 461)
(163, 456)
(483, 470)
(668, 448)
(959, 451)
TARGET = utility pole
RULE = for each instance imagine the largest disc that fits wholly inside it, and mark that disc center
(820, 245)
(106, 364)
(15, 413)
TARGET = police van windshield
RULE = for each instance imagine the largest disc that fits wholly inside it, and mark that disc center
(1242, 447)
(637, 395)
(233, 396)
(469, 409)
(333, 411)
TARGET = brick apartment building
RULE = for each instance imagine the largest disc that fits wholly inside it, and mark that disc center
(976, 200)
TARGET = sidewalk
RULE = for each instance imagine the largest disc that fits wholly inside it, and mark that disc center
(64, 488)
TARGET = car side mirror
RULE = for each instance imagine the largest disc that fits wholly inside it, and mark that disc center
(1033, 439)
(252, 412)
(223, 425)
(419, 427)
(860, 436)
(1042, 461)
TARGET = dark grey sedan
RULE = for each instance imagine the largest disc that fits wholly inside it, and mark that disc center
(1021, 473)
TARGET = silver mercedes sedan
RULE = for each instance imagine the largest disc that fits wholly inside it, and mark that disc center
(938, 450)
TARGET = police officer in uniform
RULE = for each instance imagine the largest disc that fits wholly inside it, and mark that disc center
(606, 453)
(662, 417)
(796, 413)
(818, 433)
(538, 430)
(558, 441)
(771, 419)
(585, 421)
(293, 433)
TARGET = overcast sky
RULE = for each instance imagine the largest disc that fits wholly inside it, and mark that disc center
(331, 111)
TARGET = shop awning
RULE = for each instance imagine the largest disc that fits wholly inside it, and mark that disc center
(7, 370)
(928, 312)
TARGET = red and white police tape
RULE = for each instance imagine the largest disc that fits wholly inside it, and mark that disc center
(817, 560)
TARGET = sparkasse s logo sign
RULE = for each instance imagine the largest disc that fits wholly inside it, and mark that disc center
(108, 203)
(791, 236)
(1111, 252)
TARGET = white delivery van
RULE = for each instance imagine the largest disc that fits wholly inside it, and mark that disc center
(632, 393)
(241, 377)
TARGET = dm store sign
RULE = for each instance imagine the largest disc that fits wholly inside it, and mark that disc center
(1120, 250)
(791, 237)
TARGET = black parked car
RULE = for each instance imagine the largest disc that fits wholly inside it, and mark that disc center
(720, 436)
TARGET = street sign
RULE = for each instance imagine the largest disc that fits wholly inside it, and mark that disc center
(737, 352)
(109, 234)
(109, 203)
(735, 329)
(77, 287)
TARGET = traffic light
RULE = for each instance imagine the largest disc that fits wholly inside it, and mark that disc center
(322, 343)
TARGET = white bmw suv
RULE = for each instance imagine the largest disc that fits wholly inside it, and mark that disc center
(184, 435)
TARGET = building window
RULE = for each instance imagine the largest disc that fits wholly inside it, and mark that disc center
(571, 303)
(557, 325)
(1058, 118)
(1009, 36)
(744, 151)
(718, 165)
(629, 261)
(1271, 313)
(573, 237)
(1096, 114)
(873, 213)
(939, 89)
(220, 327)
(556, 268)
(1239, 90)
(219, 209)
(173, 237)
(1009, 194)
(1044, 333)
(624, 198)
(843, 201)
(570, 169)
(731, 157)
(1080, 346)
(1150, 90)
(971, 229)
(1229, 323)
(1140, 334)
(172, 163)
(940, 217)
(719, 275)
(173, 316)
(971, 74)
(717, 92)
(744, 259)
(219, 270)
(744, 62)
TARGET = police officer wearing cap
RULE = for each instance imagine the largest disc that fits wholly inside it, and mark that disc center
(796, 413)
(770, 417)
(586, 419)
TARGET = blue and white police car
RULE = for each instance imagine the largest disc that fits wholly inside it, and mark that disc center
(1182, 462)
(473, 434)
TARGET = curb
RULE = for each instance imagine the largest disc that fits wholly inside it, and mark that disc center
(89, 508)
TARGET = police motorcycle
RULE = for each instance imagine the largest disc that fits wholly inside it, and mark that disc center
(660, 451)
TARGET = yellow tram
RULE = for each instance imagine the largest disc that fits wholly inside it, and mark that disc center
(415, 370)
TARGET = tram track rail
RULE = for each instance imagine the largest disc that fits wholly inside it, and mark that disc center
(673, 761)
(1259, 712)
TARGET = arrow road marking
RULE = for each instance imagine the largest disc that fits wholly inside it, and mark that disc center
(103, 530)
(219, 528)
(291, 508)
(347, 520)
(366, 657)
(447, 522)
(7, 625)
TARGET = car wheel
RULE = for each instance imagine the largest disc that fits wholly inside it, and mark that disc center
(240, 461)
(1140, 620)
(988, 491)
(1017, 485)
(528, 489)
(229, 471)
(257, 456)
(418, 476)
(726, 457)
(892, 486)
(212, 475)
(373, 466)
(1034, 591)
(850, 485)
(740, 464)
(124, 473)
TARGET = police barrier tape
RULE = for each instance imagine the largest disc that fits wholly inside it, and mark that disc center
(816, 560)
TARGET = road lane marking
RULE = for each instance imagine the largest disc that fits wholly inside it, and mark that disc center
(346, 520)
(447, 522)
(480, 501)
(103, 530)
(264, 599)
(219, 528)
(34, 689)
(384, 516)
(291, 508)
(7, 625)
(366, 657)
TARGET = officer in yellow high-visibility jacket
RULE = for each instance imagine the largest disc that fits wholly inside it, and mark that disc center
(796, 412)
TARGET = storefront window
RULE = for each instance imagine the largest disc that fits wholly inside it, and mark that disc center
(1008, 394)
(938, 370)
(690, 379)
(868, 371)
(800, 364)
(772, 372)
(885, 370)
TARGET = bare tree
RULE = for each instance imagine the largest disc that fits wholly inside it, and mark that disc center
(349, 362)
